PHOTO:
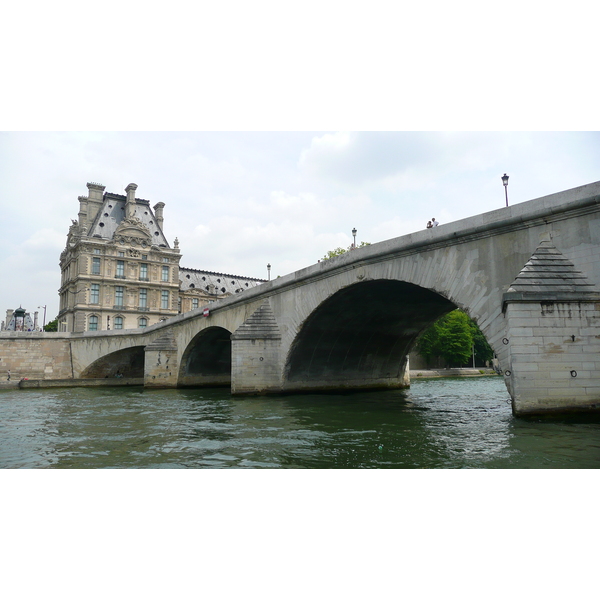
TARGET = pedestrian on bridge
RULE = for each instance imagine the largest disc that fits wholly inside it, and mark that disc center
(434, 223)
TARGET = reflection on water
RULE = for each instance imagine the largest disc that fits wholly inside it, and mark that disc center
(451, 423)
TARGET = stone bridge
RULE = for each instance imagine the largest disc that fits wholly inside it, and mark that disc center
(528, 275)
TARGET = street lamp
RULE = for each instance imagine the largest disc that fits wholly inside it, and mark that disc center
(354, 234)
(269, 271)
(505, 182)
(44, 323)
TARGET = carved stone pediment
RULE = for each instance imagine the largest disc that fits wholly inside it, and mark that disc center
(132, 231)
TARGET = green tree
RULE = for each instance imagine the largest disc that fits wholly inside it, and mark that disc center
(339, 251)
(428, 345)
(483, 351)
(453, 338)
(52, 325)
(456, 340)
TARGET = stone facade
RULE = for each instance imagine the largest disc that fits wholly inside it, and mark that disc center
(118, 270)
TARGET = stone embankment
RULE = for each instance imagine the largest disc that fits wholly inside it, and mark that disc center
(435, 373)
(58, 383)
(115, 382)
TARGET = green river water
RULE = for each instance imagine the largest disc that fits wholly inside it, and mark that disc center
(436, 424)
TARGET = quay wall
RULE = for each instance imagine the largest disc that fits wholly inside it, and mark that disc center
(35, 355)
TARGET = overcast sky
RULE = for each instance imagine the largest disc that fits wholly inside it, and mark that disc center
(238, 201)
(237, 116)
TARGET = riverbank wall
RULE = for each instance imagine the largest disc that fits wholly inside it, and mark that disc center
(438, 373)
(26, 384)
(133, 381)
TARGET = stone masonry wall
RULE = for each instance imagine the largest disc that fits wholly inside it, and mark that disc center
(35, 356)
(255, 366)
(554, 355)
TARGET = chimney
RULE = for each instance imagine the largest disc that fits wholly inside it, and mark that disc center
(158, 213)
(83, 210)
(90, 205)
(130, 205)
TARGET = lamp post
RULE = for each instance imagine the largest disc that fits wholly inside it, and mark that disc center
(269, 271)
(44, 322)
(354, 235)
(505, 182)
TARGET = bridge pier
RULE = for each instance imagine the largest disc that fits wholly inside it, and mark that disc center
(161, 368)
(255, 352)
(553, 318)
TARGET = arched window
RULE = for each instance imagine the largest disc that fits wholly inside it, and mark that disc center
(143, 322)
(93, 323)
(118, 322)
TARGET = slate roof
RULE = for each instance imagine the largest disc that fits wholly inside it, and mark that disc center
(112, 213)
(222, 282)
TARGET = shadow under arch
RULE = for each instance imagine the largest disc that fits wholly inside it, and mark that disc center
(361, 336)
(128, 363)
(206, 361)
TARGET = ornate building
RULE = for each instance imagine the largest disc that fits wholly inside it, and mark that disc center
(119, 272)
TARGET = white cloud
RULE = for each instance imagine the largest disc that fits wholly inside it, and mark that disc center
(238, 201)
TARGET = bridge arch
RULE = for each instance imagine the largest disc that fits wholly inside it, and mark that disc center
(207, 359)
(128, 362)
(360, 336)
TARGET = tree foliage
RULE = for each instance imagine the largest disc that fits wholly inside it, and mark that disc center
(453, 338)
(339, 251)
(51, 325)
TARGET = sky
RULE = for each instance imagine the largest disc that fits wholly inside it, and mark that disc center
(238, 201)
(271, 131)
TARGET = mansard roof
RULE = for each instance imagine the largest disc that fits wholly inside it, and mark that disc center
(110, 220)
(222, 282)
